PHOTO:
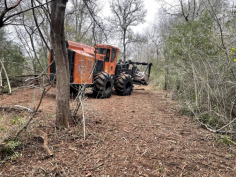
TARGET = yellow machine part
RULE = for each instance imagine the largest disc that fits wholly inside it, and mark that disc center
(83, 65)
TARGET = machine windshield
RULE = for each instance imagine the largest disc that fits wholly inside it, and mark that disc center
(101, 50)
(113, 54)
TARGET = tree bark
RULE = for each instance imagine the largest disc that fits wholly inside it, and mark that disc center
(8, 81)
(0, 78)
(166, 74)
(124, 45)
(62, 65)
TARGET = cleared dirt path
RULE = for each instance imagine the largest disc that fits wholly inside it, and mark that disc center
(138, 135)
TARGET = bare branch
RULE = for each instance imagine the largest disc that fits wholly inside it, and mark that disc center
(94, 18)
(36, 22)
(3, 21)
(32, 116)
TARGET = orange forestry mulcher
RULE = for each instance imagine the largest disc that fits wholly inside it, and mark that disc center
(97, 66)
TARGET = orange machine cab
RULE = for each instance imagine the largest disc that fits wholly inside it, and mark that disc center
(82, 60)
(109, 55)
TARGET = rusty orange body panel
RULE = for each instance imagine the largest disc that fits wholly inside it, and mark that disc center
(77, 46)
(84, 59)
(83, 65)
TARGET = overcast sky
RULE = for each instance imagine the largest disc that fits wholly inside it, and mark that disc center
(152, 7)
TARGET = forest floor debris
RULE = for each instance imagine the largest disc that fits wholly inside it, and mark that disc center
(138, 135)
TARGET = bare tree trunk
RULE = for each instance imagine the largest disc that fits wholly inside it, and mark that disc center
(8, 82)
(1, 78)
(124, 45)
(166, 73)
(62, 65)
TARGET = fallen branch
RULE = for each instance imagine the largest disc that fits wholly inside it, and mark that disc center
(45, 142)
(139, 89)
(24, 108)
(15, 108)
(31, 118)
(211, 129)
(232, 121)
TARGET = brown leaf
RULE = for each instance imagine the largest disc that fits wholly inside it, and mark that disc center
(72, 148)
(144, 175)
(89, 174)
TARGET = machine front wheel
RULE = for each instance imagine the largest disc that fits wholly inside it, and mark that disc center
(124, 84)
(103, 84)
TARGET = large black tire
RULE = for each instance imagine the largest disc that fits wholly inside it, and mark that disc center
(124, 84)
(103, 84)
